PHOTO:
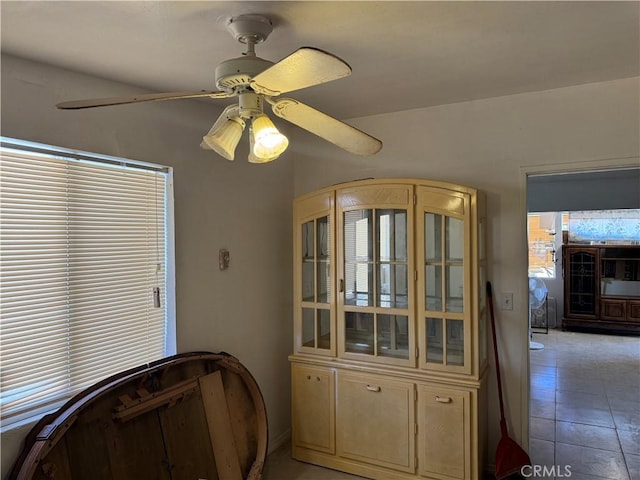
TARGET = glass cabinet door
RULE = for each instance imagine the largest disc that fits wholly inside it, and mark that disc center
(443, 280)
(580, 281)
(375, 282)
(314, 253)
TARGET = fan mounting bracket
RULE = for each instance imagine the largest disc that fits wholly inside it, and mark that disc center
(236, 73)
(249, 29)
(250, 104)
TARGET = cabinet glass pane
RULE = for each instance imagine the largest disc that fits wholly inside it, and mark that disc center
(324, 281)
(308, 253)
(359, 284)
(433, 237)
(392, 235)
(307, 282)
(433, 287)
(391, 258)
(435, 340)
(308, 327)
(393, 336)
(308, 260)
(323, 242)
(324, 329)
(392, 286)
(582, 283)
(455, 342)
(454, 238)
(358, 257)
(359, 332)
(455, 290)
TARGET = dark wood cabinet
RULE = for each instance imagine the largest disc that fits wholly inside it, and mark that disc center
(602, 287)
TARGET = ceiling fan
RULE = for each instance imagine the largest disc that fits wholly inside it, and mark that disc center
(255, 81)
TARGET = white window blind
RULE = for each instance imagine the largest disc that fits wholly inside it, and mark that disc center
(83, 246)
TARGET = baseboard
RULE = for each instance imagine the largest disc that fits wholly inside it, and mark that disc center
(279, 440)
(489, 472)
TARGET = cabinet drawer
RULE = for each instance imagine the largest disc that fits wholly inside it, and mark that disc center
(313, 408)
(375, 421)
(612, 309)
(444, 437)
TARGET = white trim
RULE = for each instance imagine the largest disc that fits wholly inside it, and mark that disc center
(580, 166)
(79, 155)
(170, 294)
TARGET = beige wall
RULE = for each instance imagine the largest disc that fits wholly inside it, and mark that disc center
(489, 144)
(245, 310)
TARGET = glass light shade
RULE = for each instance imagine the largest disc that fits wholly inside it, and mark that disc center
(252, 156)
(224, 139)
(268, 141)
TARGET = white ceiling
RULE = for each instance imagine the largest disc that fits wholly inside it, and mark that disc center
(404, 54)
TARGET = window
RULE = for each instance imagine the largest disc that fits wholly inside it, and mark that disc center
(542, 244)
(86, 279)
(605, 226)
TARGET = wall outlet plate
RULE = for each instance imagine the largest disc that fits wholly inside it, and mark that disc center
(506, 301)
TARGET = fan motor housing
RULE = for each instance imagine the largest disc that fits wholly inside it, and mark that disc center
(238, 72)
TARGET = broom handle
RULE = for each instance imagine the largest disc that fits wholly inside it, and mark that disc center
(495, 349)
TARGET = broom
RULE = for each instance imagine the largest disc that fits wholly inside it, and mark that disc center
(510, 457)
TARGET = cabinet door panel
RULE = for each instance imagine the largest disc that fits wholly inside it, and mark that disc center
(313, 408)
(376, 421)
(633, 311)
(444, 436)
(612, 309)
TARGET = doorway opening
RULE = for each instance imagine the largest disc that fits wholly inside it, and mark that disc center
(576, 406)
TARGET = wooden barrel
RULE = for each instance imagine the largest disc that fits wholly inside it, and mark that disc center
(195, 416)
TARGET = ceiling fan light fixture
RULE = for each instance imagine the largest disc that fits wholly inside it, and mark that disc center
(268, 142)
(252, 156)
(223, 138)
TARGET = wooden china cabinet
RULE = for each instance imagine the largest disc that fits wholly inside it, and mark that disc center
(602, 287)
(390, 354)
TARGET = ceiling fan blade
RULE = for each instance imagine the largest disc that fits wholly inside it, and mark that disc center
(331, 129)
(104, 102)
(305, 67)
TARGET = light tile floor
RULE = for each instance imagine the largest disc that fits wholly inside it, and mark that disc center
(585, 405)
(585, 411)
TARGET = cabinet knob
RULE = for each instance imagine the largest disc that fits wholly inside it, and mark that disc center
(443, 399)
(374, 388)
